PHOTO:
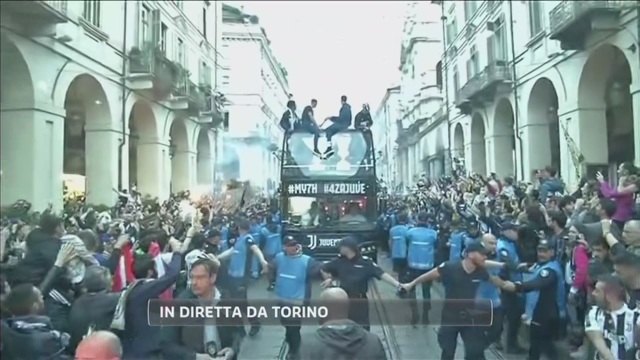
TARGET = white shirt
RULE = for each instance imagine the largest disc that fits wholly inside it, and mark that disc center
(618, 336)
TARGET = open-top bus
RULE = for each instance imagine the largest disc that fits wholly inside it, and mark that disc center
(324, 200)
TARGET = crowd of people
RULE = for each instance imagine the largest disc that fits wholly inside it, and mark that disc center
(566, 265)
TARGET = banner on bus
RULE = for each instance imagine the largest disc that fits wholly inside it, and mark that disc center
(327, 188)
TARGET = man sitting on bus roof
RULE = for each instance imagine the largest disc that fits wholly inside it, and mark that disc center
(339, 123)
(308, 123)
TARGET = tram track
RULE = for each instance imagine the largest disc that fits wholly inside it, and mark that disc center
(382, 319)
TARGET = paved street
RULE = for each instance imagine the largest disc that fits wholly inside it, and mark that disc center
(401, 341)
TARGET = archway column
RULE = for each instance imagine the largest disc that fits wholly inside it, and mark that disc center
(500, 155)
(185, 172)
(102, 143)
(635, 101)
(153, 168)
(32, 155)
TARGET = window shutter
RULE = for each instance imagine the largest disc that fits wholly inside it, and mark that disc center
(155, 28)
(491, 51)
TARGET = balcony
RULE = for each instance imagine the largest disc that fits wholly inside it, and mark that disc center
(151, 70)
(483, 87)
(212, 110)
(37, 12)
(571, 22)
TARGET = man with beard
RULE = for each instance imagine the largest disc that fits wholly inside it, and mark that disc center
(610, 323)
(545, 301)
(461, 279)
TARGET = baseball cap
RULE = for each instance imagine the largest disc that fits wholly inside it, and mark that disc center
(475, 246)
(290, 241)
(350, 242)
(547, 244)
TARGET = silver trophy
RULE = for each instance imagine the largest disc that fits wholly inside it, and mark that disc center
(343, 152)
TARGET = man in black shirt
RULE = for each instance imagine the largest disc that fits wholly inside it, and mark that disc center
(308, 123)
(461, 279)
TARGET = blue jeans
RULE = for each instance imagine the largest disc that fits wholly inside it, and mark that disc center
(334, 129)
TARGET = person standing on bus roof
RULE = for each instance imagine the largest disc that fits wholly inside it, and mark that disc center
(339, 123)
(289, 117)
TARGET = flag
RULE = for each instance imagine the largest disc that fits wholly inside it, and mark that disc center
(124, 271)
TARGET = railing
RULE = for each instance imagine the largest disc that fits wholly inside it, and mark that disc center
(569, 11)
(152, 60)
(490, 74)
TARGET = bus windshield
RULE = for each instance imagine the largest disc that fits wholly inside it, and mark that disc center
(351, 154)
(321, 210)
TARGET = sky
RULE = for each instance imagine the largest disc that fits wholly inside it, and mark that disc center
(334, 48)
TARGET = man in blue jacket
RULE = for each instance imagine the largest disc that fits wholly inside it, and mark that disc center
(338, 123)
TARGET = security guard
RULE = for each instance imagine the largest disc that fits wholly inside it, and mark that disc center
(422, 242)
(256, 233)
(545, 301)
(398, 245)
(239, 264)
(460, 240)
(352, 272)
(293, 274)
(272, 245)
(513, 304)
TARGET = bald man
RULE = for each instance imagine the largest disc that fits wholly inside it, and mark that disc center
(339, 337)
(631, 236)
(100, 345)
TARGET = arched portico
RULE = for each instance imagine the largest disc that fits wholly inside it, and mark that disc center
(19, 177)
(541, 133)
(204, 159)
(146, 151)
(502, 140)
(604, 92)
(89, 144)
(182, 159)
(477, 155)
